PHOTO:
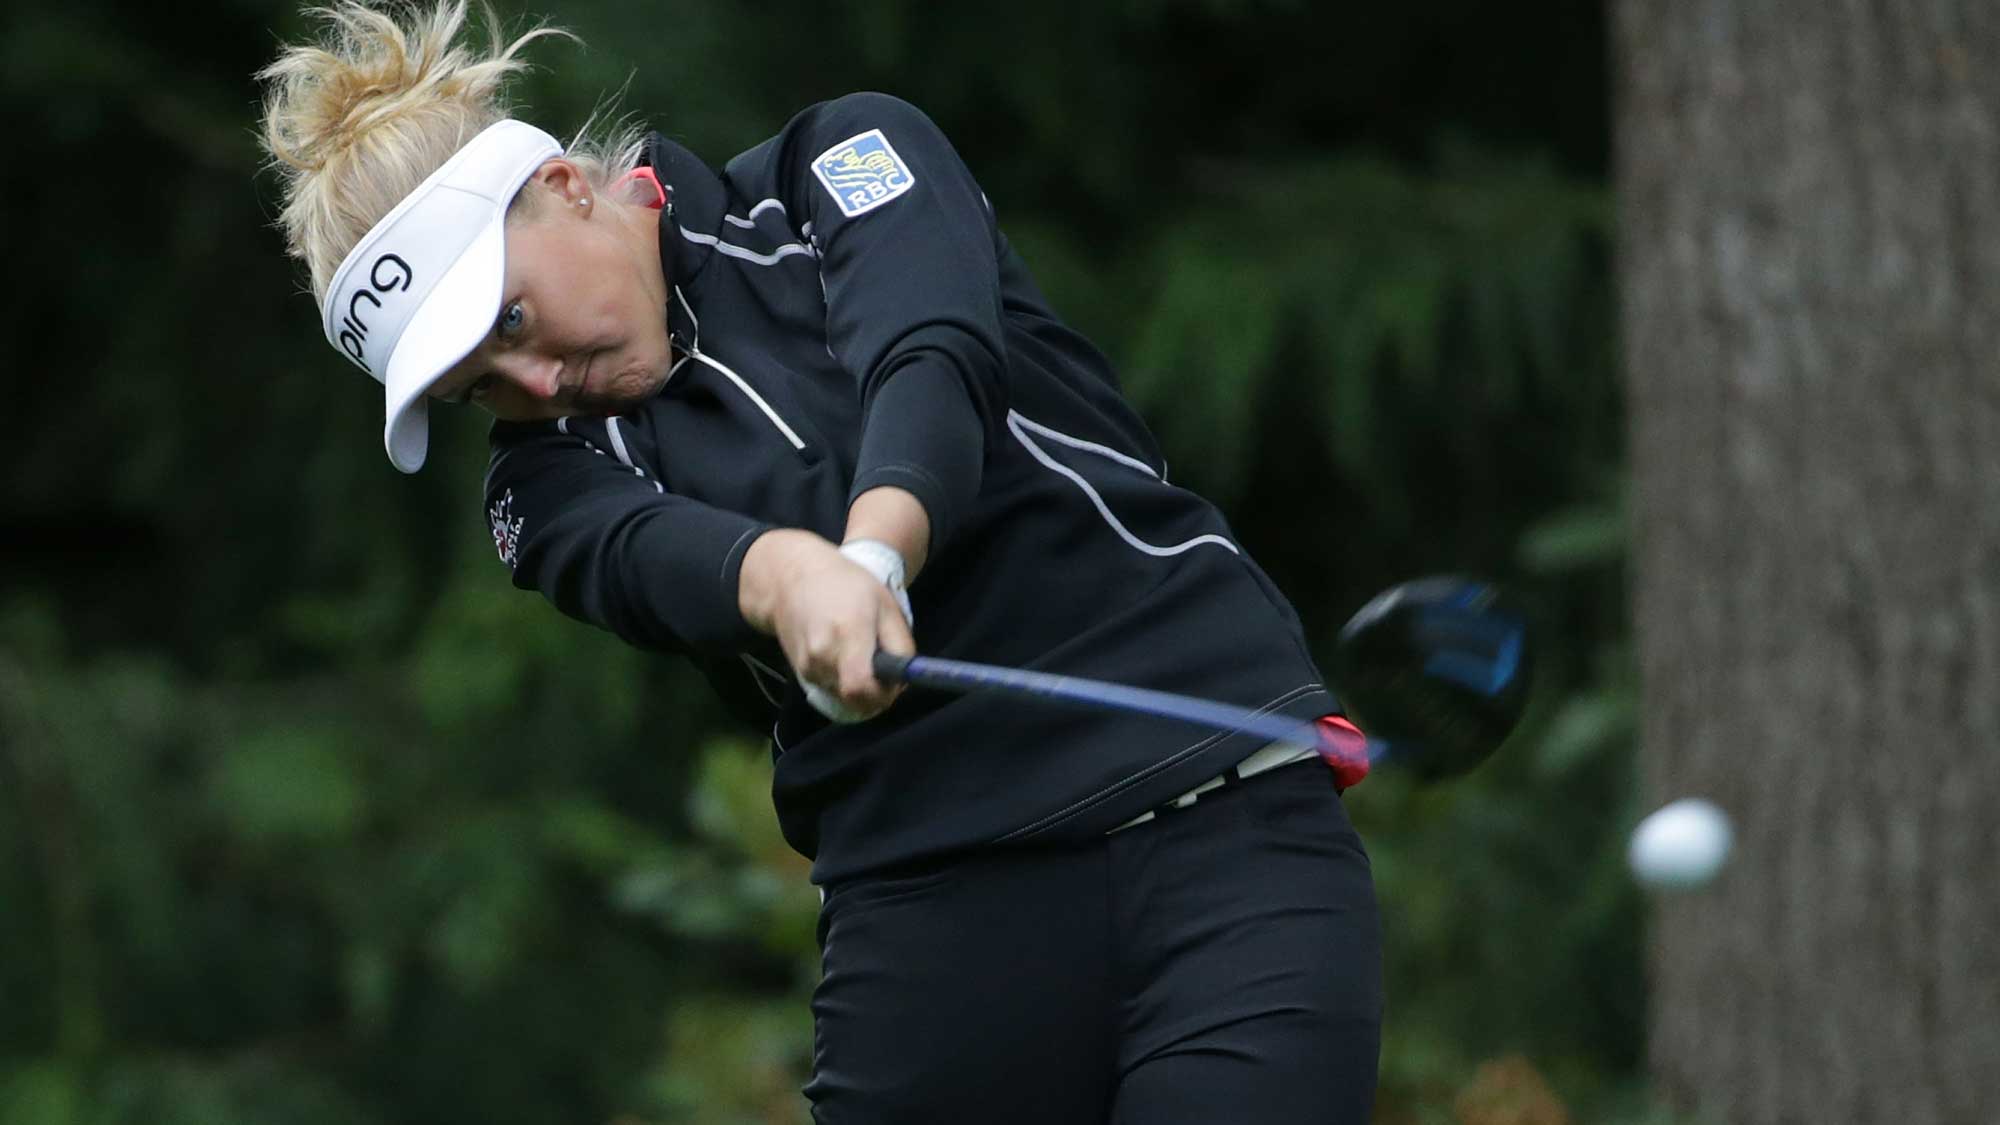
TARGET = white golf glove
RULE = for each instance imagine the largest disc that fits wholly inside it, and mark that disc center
(886, 564)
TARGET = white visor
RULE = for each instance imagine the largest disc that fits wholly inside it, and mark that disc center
(422, 288)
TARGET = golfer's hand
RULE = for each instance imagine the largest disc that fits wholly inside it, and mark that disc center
(829, 615)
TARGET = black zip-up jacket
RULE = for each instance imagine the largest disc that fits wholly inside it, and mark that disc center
(845, 314)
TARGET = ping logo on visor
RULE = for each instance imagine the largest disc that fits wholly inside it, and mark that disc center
(387, 274)
(421, 288)
(863, 172)
(385, 289)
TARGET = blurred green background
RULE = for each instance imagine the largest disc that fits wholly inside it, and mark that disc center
(307, 816)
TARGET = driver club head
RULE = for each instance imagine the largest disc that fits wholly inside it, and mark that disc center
(1437, 669)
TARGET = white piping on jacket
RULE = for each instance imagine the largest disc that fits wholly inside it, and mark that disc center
(748, 221)
(1018, 425)
(617, 445)
(694, 352)
(1079, 443)
(735, 251)
(682, 298)
(790, 434)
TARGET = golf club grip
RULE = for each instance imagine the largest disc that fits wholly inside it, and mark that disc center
(891, 668)
(960, 675)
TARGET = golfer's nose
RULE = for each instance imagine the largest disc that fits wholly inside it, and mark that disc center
(537, 376)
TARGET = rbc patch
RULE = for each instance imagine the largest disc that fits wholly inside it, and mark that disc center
(863, 172)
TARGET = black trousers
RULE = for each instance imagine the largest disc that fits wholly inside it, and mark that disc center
(1217, 964)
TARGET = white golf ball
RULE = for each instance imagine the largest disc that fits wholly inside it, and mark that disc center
(1682, 845)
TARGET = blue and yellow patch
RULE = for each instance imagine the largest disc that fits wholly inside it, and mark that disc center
(863, 172)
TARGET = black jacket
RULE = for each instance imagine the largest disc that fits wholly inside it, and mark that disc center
(847, 314)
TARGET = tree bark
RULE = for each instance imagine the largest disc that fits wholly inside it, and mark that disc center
(1809, 223)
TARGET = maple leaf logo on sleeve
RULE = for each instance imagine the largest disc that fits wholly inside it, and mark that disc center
(506, 528)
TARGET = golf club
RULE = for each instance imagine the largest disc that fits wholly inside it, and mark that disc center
(1435, 669)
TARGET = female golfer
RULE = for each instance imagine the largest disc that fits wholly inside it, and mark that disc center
(778, 416)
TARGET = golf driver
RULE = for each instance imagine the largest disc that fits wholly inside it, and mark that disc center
(1436, 670)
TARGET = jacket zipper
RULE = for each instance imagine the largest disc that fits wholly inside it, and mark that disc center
(693, 348)
(751, 393)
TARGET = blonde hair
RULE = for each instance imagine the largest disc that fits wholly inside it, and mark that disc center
(355, 122)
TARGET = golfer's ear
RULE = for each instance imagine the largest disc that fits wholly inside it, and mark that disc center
(562, 178)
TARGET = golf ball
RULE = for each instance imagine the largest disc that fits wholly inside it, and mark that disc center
(1681, 845)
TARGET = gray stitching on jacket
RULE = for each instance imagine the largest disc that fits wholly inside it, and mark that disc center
(1078, 807)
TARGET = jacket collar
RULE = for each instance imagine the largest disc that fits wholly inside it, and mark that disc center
(696, 201)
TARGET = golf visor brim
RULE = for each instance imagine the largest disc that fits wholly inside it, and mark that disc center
(421, 289)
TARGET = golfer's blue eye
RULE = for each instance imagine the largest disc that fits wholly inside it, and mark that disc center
(511, 319)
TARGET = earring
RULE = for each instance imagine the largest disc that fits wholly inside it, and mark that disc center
(583, 203)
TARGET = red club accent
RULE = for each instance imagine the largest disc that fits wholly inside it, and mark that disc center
(1343, 747)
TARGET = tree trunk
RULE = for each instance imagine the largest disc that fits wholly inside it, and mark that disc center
(1810, 240)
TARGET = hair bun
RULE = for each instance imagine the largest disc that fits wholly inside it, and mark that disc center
(354, 122)
(370, 71)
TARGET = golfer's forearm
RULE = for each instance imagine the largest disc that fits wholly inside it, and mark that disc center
(925, 435)
(776, 560)
(770, 567)
(895, 517)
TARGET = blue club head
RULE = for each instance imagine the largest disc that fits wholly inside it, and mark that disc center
(1440, 668)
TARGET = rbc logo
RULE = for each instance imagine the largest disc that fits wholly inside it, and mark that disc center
(863, 172)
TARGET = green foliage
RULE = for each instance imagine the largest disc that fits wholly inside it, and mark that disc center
(307, 816)
(1405, 300)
